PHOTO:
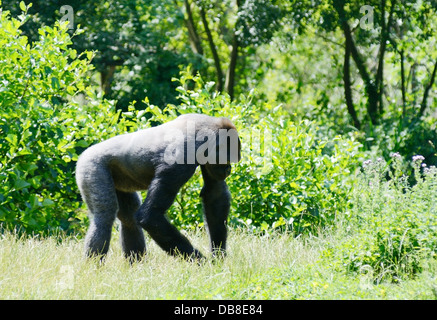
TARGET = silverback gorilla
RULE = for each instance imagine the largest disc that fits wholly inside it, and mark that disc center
(160, 159)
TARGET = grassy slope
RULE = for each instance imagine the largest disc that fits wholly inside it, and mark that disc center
(275, 267)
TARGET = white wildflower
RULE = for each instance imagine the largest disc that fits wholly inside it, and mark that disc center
(418, 158)
(367, 163)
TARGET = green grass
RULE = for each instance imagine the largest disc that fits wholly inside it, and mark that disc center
(257, 267)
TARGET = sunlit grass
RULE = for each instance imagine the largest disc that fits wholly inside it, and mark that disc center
(257, 267)
(31, 268)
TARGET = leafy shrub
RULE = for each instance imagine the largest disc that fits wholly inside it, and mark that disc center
(409, 137)
(48, 115)
(392, 225)
(290, 177)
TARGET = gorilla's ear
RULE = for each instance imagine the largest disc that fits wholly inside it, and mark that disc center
(228, 146)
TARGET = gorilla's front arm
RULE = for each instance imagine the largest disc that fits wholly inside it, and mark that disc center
(157, 159)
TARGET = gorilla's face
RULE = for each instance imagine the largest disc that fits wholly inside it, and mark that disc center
(218, 171)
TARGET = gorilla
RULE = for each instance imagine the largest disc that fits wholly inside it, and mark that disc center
(160, 160)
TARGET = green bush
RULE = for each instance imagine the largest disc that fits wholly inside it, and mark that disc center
(392, 225)
(48, 115)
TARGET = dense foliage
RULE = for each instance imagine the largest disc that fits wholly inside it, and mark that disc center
(44, 125)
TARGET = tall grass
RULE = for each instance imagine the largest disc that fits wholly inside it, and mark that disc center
(40, 269)
(392, 226)
(274, 266)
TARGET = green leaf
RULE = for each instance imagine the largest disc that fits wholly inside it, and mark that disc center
(47, 70)
(55, 83)
(47, 203)
(23, 6)
(81, 143)
(89, 55)
(12, 139)
(20, 184)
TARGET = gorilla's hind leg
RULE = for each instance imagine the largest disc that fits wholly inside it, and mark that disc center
(98, 236)
(132, 236)
(97, 189)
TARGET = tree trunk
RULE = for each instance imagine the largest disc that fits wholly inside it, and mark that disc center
(230, 77)
(213, 48)
(371, 89)
(423, 105)
(347, 87)
(385, 33)
(193, 35)
(404, 97)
